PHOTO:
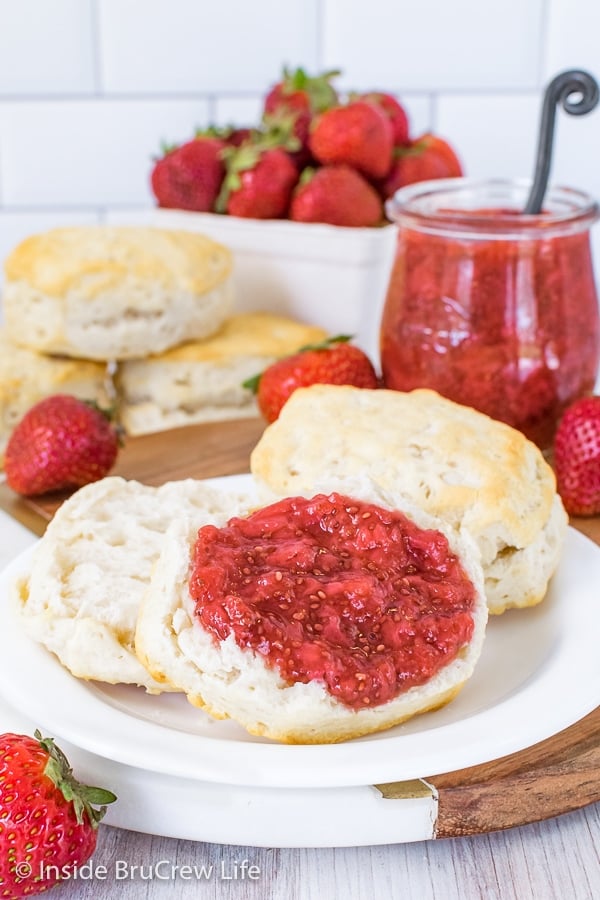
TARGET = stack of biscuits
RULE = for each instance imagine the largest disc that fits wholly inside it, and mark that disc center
(140, 316)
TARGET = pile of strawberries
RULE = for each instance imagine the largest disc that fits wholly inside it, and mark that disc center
(314, 158)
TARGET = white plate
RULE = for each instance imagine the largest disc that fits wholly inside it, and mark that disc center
(247, 816)
(539, 673)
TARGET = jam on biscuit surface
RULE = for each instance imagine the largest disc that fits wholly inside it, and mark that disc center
(335, 590)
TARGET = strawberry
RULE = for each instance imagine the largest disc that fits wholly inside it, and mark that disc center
(61, 442)
(359, 135)
(299, 91)
(426, 158)
(259, 181)
(237, 136)
(335, 361)
(577, 457)
(301, 96)
(337, 195)
(395, 112)
(190, 176)
(48, 821)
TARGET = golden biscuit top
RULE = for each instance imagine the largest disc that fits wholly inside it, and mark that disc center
(96, 259)
(455, 462)
(247, 334)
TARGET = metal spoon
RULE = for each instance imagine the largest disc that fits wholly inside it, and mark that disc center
(561, 89)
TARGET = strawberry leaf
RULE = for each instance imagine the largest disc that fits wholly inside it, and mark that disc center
(237, 160)
(252, 383)
(166, 148)
(215, 131)
(84, 798)
(327, 343)
(307, 175)
(321, 93)
(416, 149)
(280, 131)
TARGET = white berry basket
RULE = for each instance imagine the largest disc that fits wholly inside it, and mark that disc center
(320, 274)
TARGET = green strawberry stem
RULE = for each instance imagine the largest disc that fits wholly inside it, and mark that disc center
(84, 798)
(111, 414)
(326, 344)
(165, 149)
(252, 383)
(306, 175)
(416, 149)
(215, 131)
(279, 131)
(318, 87)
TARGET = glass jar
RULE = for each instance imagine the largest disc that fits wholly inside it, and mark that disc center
(491, 307)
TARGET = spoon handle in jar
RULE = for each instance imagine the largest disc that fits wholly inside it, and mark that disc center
(577, 91)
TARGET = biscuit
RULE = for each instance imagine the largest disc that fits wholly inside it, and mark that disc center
(458, 464)
(27, 377)
(202, 381)
(230, 681)
(81, 596)
(107, 293)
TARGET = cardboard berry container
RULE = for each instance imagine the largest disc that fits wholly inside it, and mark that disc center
(320, 274)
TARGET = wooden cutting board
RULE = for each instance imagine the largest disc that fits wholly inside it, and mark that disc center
(553, 777)
(196, 451)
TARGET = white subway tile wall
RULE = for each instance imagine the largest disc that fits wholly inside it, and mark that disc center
(89, 88)
(198, 46)
(434, 45)
(46, 48)
(76, 153)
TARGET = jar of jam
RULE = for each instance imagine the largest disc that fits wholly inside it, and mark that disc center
(491, 307)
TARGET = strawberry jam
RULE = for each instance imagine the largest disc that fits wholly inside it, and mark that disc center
(491, 308)
(335, 590)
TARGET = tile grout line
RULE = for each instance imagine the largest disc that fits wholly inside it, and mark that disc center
(176, 96)
(96, 48)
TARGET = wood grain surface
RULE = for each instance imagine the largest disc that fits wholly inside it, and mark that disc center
(556, 776)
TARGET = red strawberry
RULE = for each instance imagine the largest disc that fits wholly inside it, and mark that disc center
(60, 443)
(359, 134)
(577, 457)
(396, 113)
(299, 91)
(259, 182)
(48, 821)
(237, 136)
(301, 96)
(190, 176)
(333, 362)
(337, 195)
(426, 158)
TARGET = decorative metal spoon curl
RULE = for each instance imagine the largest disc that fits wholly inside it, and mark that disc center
(578, 93)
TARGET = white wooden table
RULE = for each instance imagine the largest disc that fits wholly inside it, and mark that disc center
(559, 858)
(555, 859)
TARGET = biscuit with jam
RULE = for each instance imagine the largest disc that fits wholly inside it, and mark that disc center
(316, 619)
